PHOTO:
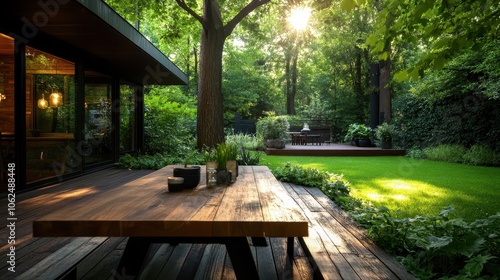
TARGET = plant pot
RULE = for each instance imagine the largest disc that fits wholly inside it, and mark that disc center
(275, 143)
(175, 184)
(191, 175)
(232, 165)
(354, 142)
(223, 177)
(364, 142)
(386, 144)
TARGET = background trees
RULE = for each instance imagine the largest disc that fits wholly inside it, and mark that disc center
(444, 72)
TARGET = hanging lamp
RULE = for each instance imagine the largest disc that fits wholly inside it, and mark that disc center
(42, 103)
(55, 99)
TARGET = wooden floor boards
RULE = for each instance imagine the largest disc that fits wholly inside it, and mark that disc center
(335, 249)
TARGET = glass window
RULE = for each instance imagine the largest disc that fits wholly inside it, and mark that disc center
(6, 107)
(50, 116)
(98, 145)
(127, 118)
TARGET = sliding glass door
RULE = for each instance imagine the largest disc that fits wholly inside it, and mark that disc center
(98, 141)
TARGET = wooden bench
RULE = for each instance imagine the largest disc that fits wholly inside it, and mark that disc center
(62, 263)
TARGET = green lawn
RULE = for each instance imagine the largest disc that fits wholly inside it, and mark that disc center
(414, 186)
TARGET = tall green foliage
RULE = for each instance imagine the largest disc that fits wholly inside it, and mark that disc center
(442, 28)
(456, 105)
(169, 122)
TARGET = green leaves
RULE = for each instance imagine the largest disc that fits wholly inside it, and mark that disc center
(442, 28)
(348, 5)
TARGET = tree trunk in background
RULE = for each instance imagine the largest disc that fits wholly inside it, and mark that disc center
(385, 91)
(293, 93)
(210, 120)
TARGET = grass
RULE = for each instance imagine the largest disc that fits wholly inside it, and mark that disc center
(414, 186)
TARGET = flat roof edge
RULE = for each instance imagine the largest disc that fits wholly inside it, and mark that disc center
(107, 14)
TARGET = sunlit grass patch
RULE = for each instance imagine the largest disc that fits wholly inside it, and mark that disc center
(413, 186)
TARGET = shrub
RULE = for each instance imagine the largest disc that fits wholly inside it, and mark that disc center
(332, 185)
(415, 153)
(158, 161)
(357, 131)
(273, 127)
(430, 247)
(245, 141)
(169, 123)
(480, 155)
(447, 153)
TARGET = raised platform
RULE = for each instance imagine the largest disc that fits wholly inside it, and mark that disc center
(332, 150)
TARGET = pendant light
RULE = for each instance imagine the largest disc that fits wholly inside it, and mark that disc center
(55, 99)
(42, 103)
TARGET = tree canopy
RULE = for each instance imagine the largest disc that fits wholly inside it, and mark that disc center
(433, 49)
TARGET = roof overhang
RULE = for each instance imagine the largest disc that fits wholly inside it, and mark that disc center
(92, 27)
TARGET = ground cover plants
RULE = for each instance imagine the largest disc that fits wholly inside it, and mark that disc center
(477, 155)
(429, 246)
(412, 186)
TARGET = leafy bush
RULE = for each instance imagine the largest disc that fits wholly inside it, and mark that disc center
(245, 141)
(357, 131)
(415, 153)
(435, 246)
(448, 153)
(169, 123)
(481, 155)
(332, 185)
(273, 127)
(476, 155)
(249, 157)
(157, 161)
(430, 247)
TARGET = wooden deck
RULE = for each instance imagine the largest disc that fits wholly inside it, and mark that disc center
(332, 150)
(335, 249)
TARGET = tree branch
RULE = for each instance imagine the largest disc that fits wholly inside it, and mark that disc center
(228, 29)
(184, 6)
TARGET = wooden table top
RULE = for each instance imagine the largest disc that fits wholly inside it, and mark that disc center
(256, 205)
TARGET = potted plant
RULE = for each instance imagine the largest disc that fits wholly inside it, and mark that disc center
(384, 133)
(221, 157)
(210, 157)
(274, 131)
(190, 173)
(232, 163)
(358, 135)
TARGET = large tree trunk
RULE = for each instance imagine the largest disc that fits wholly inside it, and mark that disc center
(291, 74)
(385, 91)
(210, 121)
(288, 79)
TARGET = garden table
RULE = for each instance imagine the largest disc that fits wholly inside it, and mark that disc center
(256, 206)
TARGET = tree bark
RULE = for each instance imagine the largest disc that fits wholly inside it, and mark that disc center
(385, 90)
(210, 119)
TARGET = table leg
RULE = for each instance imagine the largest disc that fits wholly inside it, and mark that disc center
(259, 241)
(133, 257)
(241, 258)
(289, 246)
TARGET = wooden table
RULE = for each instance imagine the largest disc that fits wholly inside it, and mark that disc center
(256, 205)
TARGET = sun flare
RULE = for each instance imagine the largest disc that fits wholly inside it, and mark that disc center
(299, 17)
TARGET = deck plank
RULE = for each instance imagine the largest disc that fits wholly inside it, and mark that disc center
(337, 243)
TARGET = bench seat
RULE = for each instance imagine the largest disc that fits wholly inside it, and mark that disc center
(62, 263)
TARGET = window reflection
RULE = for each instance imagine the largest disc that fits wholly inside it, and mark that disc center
(127, 118)
(98, 142)
(6, 107)
(50, 116)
